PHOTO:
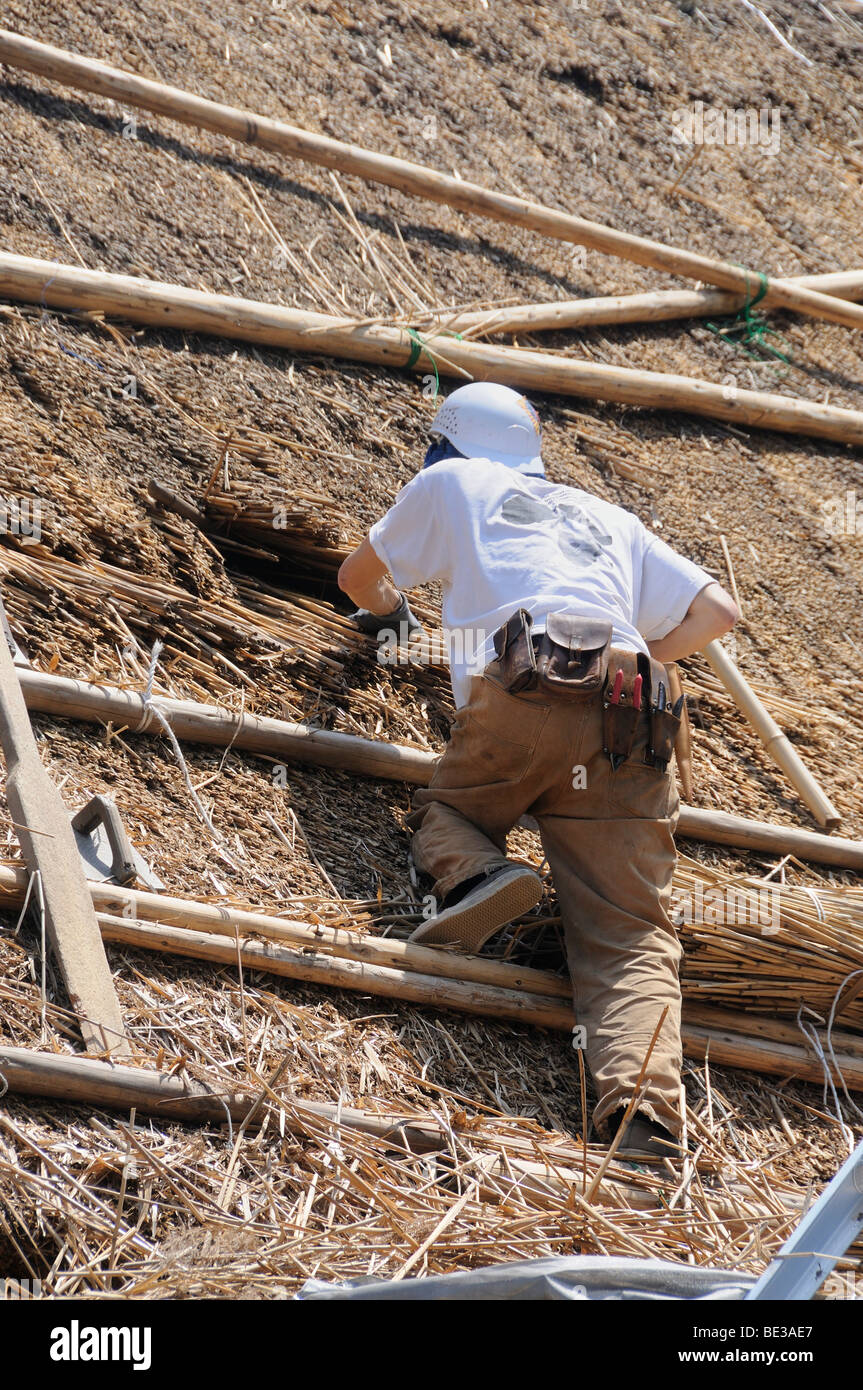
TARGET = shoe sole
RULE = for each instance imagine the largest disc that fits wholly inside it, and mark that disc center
(641, 1156)
(472, 926)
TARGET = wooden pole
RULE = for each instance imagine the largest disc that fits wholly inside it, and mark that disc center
(772, 1030)
(86, 74)
(208, 724)
(739, 1048)
(435, 991)
(198, 723)
(524, 1174)
(775, 741)
(141, 910)
(171, 306)
(720, 828)
(653, 306)
(83, 1080)
(336, 942)
(57, 882)
(749, 1053)
(339, 942)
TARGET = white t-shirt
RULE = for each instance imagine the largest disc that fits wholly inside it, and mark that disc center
(498, 541)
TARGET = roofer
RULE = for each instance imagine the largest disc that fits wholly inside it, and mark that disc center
(561, 610)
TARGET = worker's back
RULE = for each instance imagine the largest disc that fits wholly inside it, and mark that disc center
(550, 597)
(499, 540)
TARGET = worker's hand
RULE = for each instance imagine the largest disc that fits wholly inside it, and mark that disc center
(401, 621)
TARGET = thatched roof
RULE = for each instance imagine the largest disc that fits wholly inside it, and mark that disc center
(571, 109)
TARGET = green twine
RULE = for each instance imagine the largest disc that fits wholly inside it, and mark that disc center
(418, 346)
(747, 327)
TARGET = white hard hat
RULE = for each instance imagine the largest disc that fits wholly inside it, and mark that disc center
(486, 420)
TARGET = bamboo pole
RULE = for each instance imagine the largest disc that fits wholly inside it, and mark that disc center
(53, 284)
(86, 74)
(775, 741)
(340, 942)
(652, 306)
(738, 1047)
(207, 724)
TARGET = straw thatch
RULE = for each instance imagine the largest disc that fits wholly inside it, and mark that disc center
(91, 414)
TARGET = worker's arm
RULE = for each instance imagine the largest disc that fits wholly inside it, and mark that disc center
(381, 607)
(363, 577)
(711, 613)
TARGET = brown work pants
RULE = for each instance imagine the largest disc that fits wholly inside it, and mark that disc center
(608, 838)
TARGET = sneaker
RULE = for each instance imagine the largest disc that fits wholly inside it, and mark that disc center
(500, 896)
(643, 1138)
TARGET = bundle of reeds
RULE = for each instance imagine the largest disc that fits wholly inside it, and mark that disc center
(269, 522)
(771, 948)
(283, 653)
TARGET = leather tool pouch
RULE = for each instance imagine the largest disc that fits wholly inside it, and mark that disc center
(515, 655)
(572, 655)
(569, 659)
(663, 724)
(620, 719)
(663, 732)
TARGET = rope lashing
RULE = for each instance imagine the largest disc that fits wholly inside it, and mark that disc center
(748, 329)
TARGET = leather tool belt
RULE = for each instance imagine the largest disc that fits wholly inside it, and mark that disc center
(638, 688)
(574, 660)
(569, 659)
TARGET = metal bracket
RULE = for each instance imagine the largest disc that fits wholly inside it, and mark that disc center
(121, 862)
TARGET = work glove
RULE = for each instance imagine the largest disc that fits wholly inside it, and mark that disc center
(401, 621)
